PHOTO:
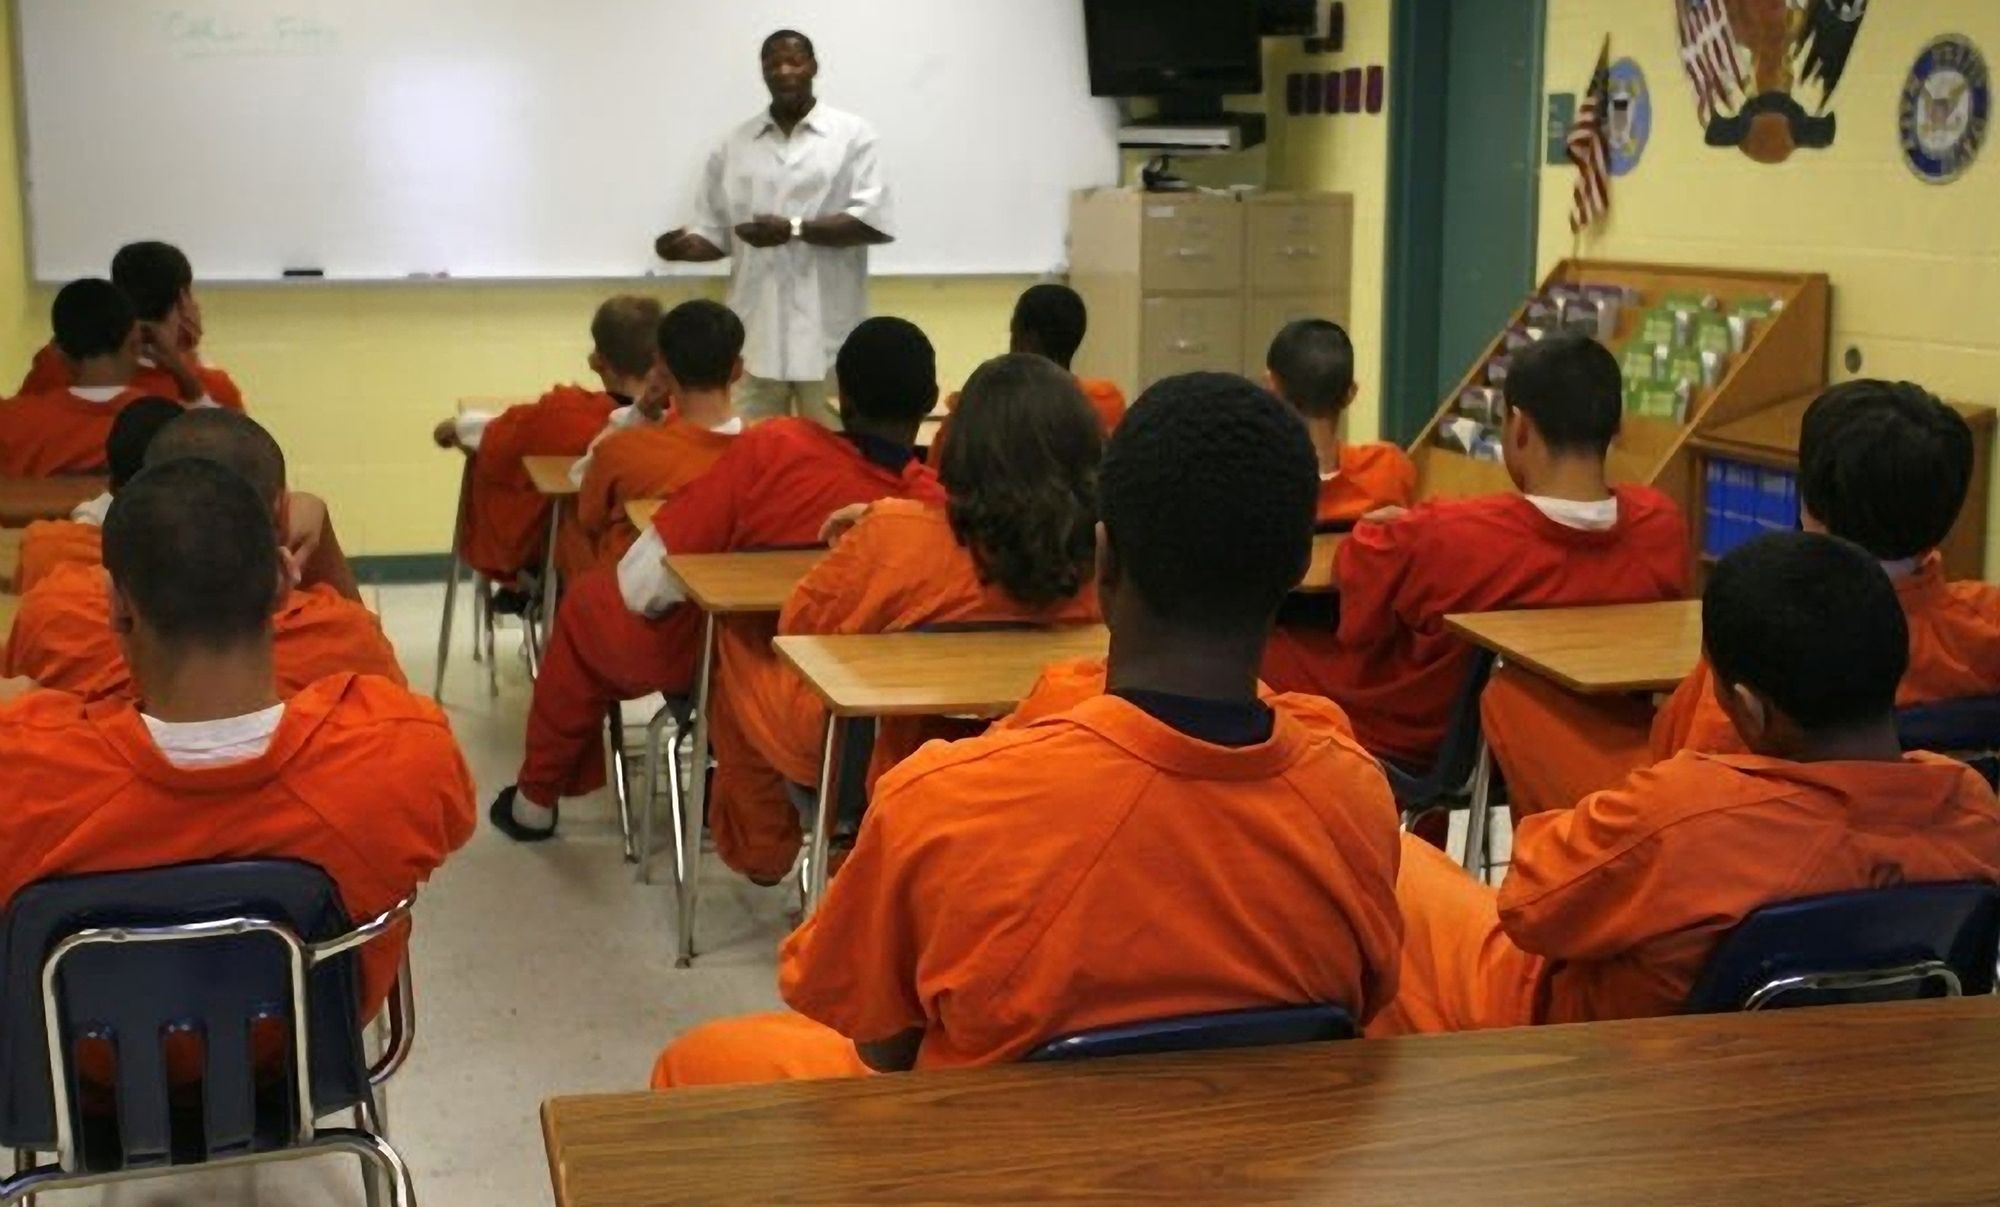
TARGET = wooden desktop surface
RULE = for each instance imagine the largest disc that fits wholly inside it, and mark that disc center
(25, 500)
(1874, 1104)
(10, 559)
(641, 512)
(934, 674)
(1770, 437)
(725, 584)
(1319, 576)
(1595, 651)
(551, 474)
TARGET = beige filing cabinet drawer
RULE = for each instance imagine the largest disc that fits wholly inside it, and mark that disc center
(1264, 317)
(1300, 246)
(1190, 335)
(1191, 246)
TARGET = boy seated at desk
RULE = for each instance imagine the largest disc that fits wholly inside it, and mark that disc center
(1884, 465)
(1567, 538)
(1013, 542)
(1611, 909)
(46, 544)
(1311, 366)
(1050, 321)
(1176, 845)
(700, 357)
(63, 430)
(507, 519)
(66, 634)
(210, 757)
(158, 280)
(624, 633)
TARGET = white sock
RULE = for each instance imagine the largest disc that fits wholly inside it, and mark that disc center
(532, 816)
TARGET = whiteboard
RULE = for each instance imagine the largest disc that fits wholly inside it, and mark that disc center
(391, 139)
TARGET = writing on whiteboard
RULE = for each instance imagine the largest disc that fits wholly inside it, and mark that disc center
(197, 34)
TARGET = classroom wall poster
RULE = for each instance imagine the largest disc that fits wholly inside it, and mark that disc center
(1764, 72)
(1943, 109)
(1629, 126)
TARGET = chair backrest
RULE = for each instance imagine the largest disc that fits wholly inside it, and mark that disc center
(1886, 944)
(1257, 1028)
(1460, 749)
(1967, 728)
(209, 994)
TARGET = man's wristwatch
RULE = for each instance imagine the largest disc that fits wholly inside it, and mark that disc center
(798, 228)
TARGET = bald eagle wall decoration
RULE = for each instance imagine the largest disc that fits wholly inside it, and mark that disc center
(1764, 71)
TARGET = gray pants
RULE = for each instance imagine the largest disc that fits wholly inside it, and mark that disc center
(759, 398)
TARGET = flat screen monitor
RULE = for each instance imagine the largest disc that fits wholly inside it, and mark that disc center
(1174, 47)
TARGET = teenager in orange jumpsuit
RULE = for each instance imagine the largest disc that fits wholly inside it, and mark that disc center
(628, 632)
(1611, 909)
(1176, 845)
(1013, 542)
(46, 544)
(1050, 321)
(1311, 366)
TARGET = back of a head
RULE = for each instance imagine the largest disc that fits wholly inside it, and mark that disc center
(232, 440)
(132, 435)
(1571, 387)
(192, 549)
(625, 331)
(1021, 473)
(91, 318)
(887, 372)
(700, 342)
(154, 275)
(1813, 623)
(1051, 320)
(1312, 361)
(1208, 493)
(1885, 465)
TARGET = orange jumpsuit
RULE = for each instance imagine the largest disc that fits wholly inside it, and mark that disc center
(645, 462)
(63, 638)
(1371, 477)
(508, 525)
(44, 435)
(774, 488)
(50, 372)
(47, 544)
(1104, 397)
(1611, 909)
(1098, 867)
(900, 568)
(1392, 664)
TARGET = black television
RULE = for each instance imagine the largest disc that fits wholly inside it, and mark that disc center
(1174, 48)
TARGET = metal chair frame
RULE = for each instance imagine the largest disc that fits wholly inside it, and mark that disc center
(1854, 982)
(367, 1139)
(482, 597)
(1463, 767)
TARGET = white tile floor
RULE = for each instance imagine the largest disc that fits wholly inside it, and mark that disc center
(539, 971)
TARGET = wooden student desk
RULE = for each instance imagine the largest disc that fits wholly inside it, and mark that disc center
(10, 559)
(1621, 648)
(1876, 1104)
(1319, 576)
(25, 500)
(641, 512)
(981, 674)
(552, 481)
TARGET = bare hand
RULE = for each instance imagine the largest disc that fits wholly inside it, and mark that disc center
(308, 516)
(658, 392)
(840, 523)
(446, 434)
(191, 328)
(1384, 515)
(672, 245)
(162, 344)
(765, 230)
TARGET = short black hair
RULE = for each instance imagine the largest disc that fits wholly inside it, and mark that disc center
(1570, 385)
(700, 342)
(887, 371)
(1208, 495)
(786, 35)
(195, 551)
(624, 330)
(1312, 360)
(91, 318)
(132, 435)
(154, 275)
(1811, 622)
(1053, 319)
(1885, 465)
(232, 440)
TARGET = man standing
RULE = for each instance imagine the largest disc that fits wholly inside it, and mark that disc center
(800, 187)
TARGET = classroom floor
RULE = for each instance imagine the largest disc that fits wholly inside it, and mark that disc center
(539, 971)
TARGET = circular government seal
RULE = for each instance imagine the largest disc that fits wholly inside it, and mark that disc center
(1629, 125)
(1945, 105)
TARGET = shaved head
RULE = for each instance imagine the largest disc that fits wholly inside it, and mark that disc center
(230, 439)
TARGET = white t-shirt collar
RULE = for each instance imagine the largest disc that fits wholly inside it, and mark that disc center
(191, 745)
(1600, 516)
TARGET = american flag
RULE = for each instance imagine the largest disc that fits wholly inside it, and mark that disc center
(1589, 151)
(1708, 54)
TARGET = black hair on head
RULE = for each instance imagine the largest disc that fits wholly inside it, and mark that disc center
(1053, 320)
(194, 550)
(232, 440)
(132, 435)
(887, 371)
(1570, 385)
(1312, 360)
(1885, 465)
(154, 275)
(700, 342)
(786, 35)
(91, 318)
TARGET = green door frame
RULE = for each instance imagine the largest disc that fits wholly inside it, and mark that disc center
(1414, 266)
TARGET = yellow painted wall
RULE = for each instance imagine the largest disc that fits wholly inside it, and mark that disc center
(1915, 267)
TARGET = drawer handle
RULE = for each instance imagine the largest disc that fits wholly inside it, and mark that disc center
(1307, 252)
(1185, 346)
(1192, 253)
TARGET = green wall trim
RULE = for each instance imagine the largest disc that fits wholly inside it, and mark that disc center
(1418, 42)
(401, 569)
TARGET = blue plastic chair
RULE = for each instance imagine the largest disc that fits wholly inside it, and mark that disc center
(1458, 756)
(1886, 944)
(1968, 729)
(1264, 1027)
(206, 953)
